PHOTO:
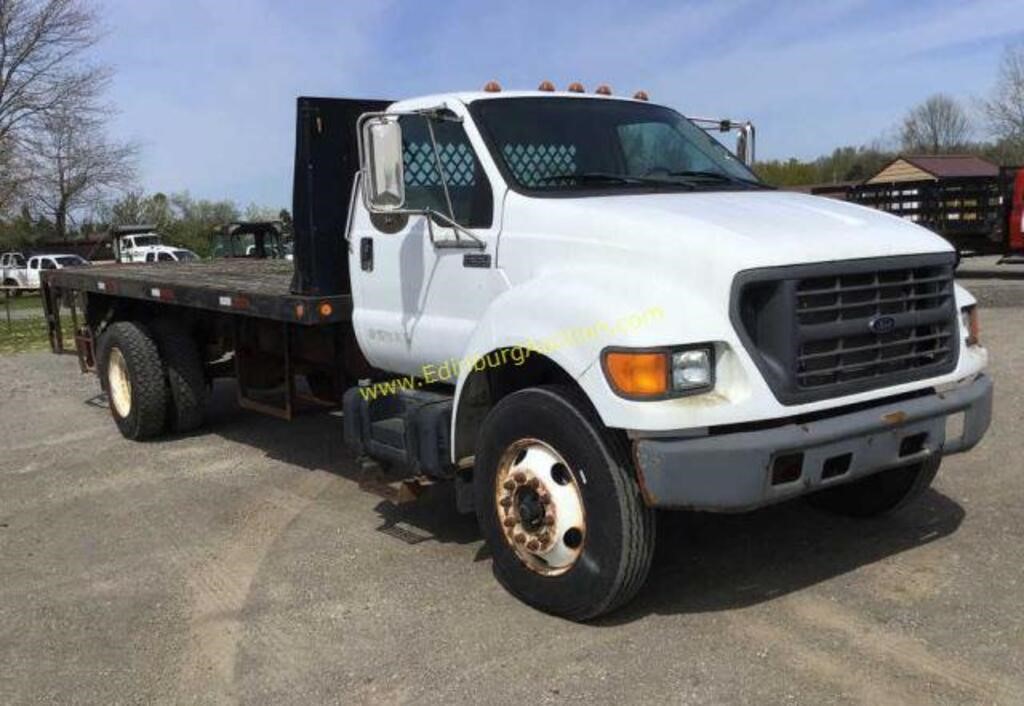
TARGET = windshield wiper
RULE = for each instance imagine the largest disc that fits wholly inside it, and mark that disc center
(608, 177)
(719, 177)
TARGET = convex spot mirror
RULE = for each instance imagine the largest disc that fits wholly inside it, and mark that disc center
(382, 155)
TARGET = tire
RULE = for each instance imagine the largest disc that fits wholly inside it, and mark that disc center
(878, 494)
(549, 434)
(186, 382)
(132, 375)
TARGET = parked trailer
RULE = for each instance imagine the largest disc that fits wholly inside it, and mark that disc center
(657, 330)
(979, 214)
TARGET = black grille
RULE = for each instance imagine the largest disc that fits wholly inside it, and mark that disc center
(826, 330)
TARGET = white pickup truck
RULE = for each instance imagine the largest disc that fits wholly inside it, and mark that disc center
(578, 308)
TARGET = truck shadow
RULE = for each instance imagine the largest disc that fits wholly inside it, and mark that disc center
(704, 562)
(313, 441)
(708, 562)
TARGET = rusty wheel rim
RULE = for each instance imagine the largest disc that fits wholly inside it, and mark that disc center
(540, 507)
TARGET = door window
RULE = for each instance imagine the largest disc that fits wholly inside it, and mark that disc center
(472, 200)
(165, 257)
(48, 264)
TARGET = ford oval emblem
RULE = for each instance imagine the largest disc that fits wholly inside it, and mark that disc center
(882, 324)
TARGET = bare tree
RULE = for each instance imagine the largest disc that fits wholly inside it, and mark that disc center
(10, 177)
(1005, 109)
(42, 43)
(73, 165)
(937, 125)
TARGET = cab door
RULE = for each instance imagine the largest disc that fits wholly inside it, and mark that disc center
(418, 301)
(32, 274)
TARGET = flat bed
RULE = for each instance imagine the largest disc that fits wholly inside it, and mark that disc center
(259, 288)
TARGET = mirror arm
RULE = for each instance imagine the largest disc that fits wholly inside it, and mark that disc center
(431, 214)
(441, 174)
(356, 184)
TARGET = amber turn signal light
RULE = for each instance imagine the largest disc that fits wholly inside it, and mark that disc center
(634, 374)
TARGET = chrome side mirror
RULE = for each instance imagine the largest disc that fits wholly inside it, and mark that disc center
(381, 138)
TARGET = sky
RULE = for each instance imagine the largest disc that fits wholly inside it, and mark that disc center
(208, 87)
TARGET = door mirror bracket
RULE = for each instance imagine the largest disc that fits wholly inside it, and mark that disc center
(382, 172)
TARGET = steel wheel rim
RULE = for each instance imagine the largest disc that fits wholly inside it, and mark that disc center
(119, 384)
(532, 477)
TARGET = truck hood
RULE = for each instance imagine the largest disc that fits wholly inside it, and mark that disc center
(738, 229)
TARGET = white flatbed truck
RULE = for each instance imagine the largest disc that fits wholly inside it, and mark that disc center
(579, 309)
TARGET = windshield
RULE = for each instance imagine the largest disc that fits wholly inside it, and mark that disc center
(70, 260)
(558, 144)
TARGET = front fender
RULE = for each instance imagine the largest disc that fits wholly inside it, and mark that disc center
(571, 316)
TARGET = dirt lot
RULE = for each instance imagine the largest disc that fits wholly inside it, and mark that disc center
(245, 565)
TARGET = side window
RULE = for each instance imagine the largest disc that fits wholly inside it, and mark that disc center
(165, 257)
(653, 146)
(472, 200)
(48, 264)
(33, 264)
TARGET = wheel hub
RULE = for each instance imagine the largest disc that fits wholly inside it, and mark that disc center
(540, 507)
(119, 385)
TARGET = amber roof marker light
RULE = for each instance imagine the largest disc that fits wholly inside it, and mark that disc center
(603, 90)
(576, 87)
(546, 86)
(640, 96)
(492, 87)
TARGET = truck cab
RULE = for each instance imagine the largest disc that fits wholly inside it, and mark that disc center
(13, 270)
(588, 267)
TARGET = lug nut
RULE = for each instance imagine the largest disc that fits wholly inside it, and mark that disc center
(505, 502)
(533, 483)
(519, 477)
(544, 498)
(520, 538)
(510, 522)
(508, 485)
(549, 520)
(533, 546)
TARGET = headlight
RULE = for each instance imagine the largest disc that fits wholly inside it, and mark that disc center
(691, 369)
(648, 374)
(969, 316)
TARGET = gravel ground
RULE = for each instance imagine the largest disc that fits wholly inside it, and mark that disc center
(245, 565)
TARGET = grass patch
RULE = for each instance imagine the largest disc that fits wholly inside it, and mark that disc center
(23, 336)
(23, 303)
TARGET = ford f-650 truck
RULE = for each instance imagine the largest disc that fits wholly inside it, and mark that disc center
(579, 309)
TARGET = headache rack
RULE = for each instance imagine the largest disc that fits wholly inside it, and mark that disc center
(832, 329)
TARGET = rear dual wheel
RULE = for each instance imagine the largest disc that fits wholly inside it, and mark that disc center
(132, 375)
(153, 378)
(559, 505)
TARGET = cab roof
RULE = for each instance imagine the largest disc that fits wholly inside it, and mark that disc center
(467, 97)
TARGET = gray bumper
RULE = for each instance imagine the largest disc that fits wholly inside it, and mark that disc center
(734, 471)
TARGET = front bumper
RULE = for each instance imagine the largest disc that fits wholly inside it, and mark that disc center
(734, 471)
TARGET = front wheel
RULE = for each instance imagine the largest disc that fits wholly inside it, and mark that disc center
(559, 505)
(880, 493)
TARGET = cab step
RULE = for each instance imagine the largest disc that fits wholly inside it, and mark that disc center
(409, 431)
